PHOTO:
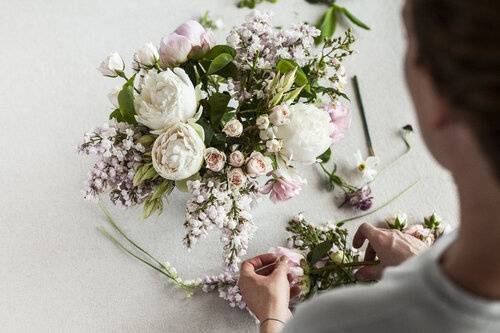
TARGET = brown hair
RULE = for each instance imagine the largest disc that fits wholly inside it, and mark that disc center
(458, 41)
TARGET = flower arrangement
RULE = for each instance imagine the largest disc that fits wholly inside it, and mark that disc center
(227, 123)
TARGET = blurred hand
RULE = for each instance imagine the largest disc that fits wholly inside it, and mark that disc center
(392, 247)
(267, 292)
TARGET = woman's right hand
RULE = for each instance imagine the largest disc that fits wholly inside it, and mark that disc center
(392, 247)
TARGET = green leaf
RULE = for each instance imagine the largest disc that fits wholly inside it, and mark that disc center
(319, 252)
(325, 157)
(221, 61)
(327, 24)
(116, 114)
(286, 66)
(126, 101)
(218, 106)
(229, 115)
(218, 50)
(353, 18)
(162, 188)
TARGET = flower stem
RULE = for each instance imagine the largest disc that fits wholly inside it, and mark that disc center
(381, 207)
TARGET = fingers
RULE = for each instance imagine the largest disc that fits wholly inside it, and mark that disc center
(249, 266)
(282, 267)
(370, 253)
(365, 231)
(369, 273)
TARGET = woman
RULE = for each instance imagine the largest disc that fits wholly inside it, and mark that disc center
(453, 72)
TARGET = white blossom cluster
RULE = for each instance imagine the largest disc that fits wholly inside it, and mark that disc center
(119, 153)
(213, 203)
(257, 40)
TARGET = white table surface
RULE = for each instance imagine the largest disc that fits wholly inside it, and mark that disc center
(57, 273)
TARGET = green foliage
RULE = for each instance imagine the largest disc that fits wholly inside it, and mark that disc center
(325, 157)
(218, 50)
(154, 202)
(286, 66)
(217, 106)
(143, 173)
(328, 22)
(319, 251)
(221, 61)
(251, 3)
(126, 103)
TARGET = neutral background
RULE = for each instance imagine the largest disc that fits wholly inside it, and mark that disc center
(57, 273)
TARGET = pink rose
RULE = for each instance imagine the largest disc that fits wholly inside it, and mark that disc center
(236, 178)
(258, 164)
(279, 115)
(188, 39)
(341, 119)
(236, 158)
(283, 188)
(214, 159)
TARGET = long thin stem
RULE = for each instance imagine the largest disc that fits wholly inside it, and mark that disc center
(110, 220)
(381, 207)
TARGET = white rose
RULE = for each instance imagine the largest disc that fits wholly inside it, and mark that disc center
(146, 56)
(262, 122)
(258, 164)
(112, 65)
(214, 159)
(178, 152)
(307, 135)
(236, 158)
(233, 128)
(236, 178)
(274, 146)
(165, 99)
(279, 115)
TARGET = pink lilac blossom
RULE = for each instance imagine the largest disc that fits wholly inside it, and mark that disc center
(256, 37)
(227, 288)
(283, 188)
(341, 119)
(119, 154)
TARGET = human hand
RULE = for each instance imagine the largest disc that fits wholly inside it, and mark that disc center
(392, 247)
(267, 292)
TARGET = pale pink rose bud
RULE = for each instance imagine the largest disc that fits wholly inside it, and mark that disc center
(283, 188)
(214, 159)
(236, 158)
(258, 164)
(262, 122)
(236, 178)
(233, 128)
(188, 39)
(340, 118)
(274, 145)
(112, 66)
(279, 115)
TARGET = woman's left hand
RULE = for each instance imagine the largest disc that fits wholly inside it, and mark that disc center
(266, 292)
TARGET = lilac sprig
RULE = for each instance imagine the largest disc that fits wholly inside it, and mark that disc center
(119, 153)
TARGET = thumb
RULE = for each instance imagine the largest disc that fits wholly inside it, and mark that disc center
(370, 273)
(282, 266)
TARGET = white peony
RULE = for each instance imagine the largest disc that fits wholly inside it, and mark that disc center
(307, 133)
(165, 99)
(178, 152)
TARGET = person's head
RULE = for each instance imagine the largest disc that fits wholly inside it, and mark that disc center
(453, 72)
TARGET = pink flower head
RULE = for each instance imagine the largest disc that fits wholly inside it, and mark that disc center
(283, 188)
(341, 119)
(293, 257)
(186, 40)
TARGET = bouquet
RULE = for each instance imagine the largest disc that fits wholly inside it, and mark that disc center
(227, 123)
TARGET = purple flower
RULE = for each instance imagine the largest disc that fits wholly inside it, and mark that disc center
(360, 199)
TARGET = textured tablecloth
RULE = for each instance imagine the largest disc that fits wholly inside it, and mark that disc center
(57, 273)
